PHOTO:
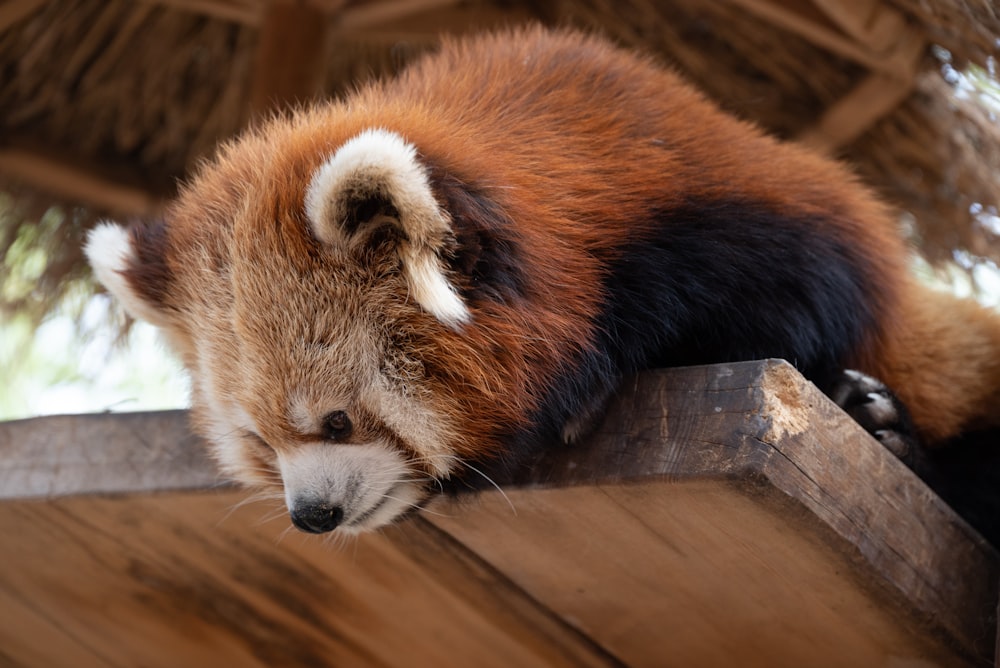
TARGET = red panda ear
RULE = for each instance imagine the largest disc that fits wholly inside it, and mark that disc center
(373, 181)
(130, 263)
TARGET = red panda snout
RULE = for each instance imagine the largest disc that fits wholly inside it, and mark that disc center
(351, 488)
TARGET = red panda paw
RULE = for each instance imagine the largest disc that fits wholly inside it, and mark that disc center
(876, 408)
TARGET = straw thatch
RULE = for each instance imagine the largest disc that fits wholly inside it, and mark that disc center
(104, 105)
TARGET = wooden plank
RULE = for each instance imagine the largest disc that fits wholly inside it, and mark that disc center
(187, 580)
(697, 574)
(720, 514)
(102, 453)
(850, 117)
(763, 422)
(64, 180)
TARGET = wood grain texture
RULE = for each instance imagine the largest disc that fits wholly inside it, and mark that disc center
(763, 423)
(698, 573)
(184, 580)
(103, 452)
(724, 514)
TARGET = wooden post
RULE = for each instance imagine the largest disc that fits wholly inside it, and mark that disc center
(289, 64)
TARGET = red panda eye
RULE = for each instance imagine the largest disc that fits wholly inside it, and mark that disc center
(336, 426)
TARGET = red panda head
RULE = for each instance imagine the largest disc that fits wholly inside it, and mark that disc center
(351, 313)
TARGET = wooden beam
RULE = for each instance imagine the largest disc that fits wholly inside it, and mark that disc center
(803, 445)
(789, 17)
(719, 515)
(74, 183)
(877, 96)
(194, 580)
(98, 454)
(850, 117)
(705, 573)
(877, 36)
(289, 63)
(872, 23)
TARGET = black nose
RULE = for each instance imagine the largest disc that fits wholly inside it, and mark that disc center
(317, 518)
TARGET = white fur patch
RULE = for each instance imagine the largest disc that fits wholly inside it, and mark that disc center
(431, 289)
(225, 424)
(370, 483)
(380, 163)
(110, 252)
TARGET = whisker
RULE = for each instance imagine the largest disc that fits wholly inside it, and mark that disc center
(337, 540)
(423, 509)
(496, 486)
(281, 536)
(274, 515)
(262, 495)
(438, 483)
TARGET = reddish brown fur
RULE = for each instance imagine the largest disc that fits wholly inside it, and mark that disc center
(576, 187)
(941, 358)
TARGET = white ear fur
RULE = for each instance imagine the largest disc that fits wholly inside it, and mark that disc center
(110, 252)
(381, 163)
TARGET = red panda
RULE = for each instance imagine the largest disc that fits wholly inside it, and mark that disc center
(445, 271)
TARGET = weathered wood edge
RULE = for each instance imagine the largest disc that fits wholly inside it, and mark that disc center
(102, 453)
(881, 509)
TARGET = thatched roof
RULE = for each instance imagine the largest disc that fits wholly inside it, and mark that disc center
(107, 103)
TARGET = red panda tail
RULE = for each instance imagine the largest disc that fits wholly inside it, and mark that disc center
(942, 358)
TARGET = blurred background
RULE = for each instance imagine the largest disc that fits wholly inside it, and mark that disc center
(106, 105)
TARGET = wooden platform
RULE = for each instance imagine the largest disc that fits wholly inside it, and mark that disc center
(725, 515)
